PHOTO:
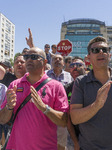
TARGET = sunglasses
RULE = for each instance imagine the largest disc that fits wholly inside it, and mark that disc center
(96, 50)
(33, 57)
(25, 51)
(72, 65)
(68, 62)
(47, 47)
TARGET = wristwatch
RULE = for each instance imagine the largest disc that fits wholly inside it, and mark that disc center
(47, 109)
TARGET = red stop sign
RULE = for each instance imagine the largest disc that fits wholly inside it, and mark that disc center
(64, 47)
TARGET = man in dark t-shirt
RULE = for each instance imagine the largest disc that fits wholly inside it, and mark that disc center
(8, 78)
(19, 71)
(76, 68)
(91, 100)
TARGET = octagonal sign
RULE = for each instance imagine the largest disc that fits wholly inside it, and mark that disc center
(64, 47)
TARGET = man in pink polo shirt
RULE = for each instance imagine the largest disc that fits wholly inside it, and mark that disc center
(35, 127)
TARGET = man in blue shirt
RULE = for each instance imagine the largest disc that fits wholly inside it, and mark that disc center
(48, 54)
(57, 71)
(64, 77)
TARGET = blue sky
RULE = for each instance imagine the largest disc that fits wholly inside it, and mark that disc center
(45, 17)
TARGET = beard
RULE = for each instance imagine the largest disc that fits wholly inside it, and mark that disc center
(77, 72)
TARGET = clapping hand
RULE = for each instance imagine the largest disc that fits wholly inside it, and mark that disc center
(37, 100)
(11, 97)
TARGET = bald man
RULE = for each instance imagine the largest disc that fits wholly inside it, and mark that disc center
(35, 126)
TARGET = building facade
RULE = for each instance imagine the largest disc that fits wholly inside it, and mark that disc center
(81, 31)
(7, 38)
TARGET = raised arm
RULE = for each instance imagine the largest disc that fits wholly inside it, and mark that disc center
(29, 40)
(80, 114)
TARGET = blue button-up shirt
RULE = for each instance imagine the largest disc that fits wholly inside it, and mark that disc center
(64, 77)
(48, 56)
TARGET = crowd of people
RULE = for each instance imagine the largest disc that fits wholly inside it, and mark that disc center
(72, 111)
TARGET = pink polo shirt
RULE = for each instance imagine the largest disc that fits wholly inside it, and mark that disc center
(32, 130)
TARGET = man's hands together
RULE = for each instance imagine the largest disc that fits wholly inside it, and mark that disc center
(37, 100)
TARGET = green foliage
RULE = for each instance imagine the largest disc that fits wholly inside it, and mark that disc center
(11, 61)
(17, 54)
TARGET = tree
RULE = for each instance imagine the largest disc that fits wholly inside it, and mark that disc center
(17, 54)
(11, 61)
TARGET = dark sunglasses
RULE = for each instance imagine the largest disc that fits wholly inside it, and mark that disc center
(68, 62)
(96, 50)
(47, 47)
(72, 65)
(55, 47)
(33, 57)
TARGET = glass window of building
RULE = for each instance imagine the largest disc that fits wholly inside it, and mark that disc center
(80, 32)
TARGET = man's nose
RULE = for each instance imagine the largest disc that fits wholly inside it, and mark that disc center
(101, 51)
(19, 63)
(75, 66)
(57, 59)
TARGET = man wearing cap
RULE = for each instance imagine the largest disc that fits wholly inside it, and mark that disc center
(7, 66)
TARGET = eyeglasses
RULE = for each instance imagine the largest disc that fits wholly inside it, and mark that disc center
(47, 47)
(33, 57)
(96, 50)
(68, 62)
(25, 52)
(72, 65)
(55, 47)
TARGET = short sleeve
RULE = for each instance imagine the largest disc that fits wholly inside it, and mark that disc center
(61, 100)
